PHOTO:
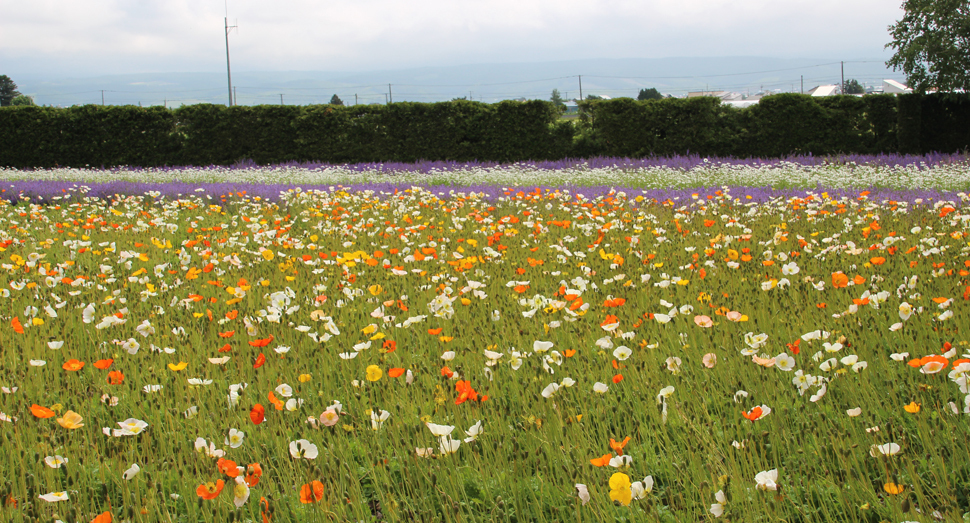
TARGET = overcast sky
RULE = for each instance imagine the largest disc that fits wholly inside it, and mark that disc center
(96, 37)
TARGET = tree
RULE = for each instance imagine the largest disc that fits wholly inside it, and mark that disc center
(335, 100)
(22, 100)
(593, 97)
(853, 86)
(932, 44)
(8, 90)
(649, 94)
(556, 98)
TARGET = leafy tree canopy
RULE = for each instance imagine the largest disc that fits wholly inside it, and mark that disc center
(8, 90)
(649, 94)
(853, 87)
(335, 100)
(932, 45)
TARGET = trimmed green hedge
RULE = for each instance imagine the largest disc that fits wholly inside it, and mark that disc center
(207, 134)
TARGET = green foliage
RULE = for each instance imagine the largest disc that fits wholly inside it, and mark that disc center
(557, 99)
(649, 94)
(8, 90)
(852, 86)
(23, 100)
(932, 45)
(335, 100)
(463, 130)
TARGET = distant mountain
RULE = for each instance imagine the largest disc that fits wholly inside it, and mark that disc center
(484, 82)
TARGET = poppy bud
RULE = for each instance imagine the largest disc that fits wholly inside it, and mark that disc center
(905, 505)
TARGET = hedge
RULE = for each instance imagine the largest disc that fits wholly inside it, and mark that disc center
(780, 125)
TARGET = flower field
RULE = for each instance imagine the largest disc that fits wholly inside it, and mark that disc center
(213, 350)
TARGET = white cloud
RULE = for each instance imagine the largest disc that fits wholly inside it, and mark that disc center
(116, 36)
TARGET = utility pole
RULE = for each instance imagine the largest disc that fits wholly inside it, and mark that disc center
(390, 94)
(803, 84)
(228, 69)
(355, 98)
(281, 98)
(842, 88)
(102, 97)
(385, 98)
(580, 87)
(235, 101)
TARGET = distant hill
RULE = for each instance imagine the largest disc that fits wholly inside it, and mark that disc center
(485, 82)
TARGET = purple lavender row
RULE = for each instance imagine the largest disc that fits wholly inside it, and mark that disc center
(44, 191)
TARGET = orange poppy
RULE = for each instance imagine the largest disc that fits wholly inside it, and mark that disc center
(104, 517)
(615, 302)
(260, 360)
(466, 392)
(395, 372)
(253, 472)
(103, 364)
(227, 334)
(569, 353)
(878, 260)
(257, 414)
(446, 372)
(73, 365)
(225, 348)
(275, 401)
(389, 346)
(434, 332)
(261, 343)
(231, 315)
(753, 415)
(618, 378)
(311, 492)
(210, 490)
(41, 412)
(227, 467)
(840, 280)
(602, 461)
(618, 447)
(116, 377)
(17, 327)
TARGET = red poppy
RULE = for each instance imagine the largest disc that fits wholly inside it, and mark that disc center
(103, 364)
(260, 360)
(257, 414)
(227, 334)
(395, 372)
(618, 378)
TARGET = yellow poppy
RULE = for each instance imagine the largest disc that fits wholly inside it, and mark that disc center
(912, 408)
(374, 373)
(71, 420)
(177, 367)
